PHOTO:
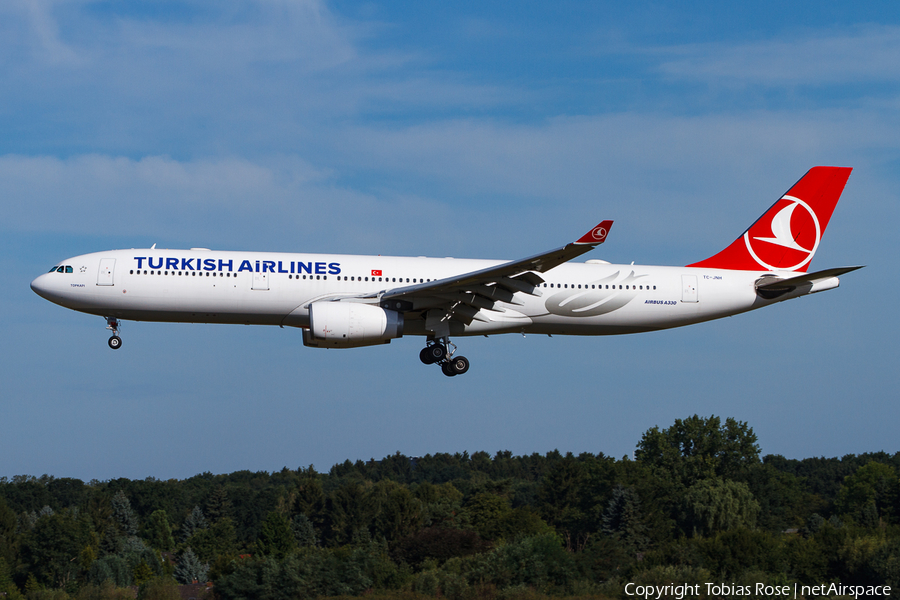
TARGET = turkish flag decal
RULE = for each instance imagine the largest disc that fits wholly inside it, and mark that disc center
(376, 272)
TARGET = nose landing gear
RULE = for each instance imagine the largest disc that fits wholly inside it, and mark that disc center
(436, 352)
(115, 342)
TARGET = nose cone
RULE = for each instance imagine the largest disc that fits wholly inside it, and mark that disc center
(42, 286)
(53, 287)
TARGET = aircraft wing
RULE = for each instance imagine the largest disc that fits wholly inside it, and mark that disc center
(462, 296)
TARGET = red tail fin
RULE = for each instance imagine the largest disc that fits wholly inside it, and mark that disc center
(786, 237)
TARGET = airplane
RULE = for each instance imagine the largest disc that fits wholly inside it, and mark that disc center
(349, 301)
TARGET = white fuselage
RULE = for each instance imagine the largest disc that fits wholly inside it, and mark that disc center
(261, 288)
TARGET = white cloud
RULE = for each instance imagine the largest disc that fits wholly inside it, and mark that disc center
(862, 54)
(41, 31)
(282, 203)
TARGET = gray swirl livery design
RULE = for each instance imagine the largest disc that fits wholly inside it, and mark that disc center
(344, 301)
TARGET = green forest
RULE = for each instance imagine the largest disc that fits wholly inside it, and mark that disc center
(697, 503)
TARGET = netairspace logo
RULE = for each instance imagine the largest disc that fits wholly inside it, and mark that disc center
(759, 590)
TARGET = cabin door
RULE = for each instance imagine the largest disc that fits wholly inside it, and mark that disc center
(689, 288)
(260, 281)
(107, 268)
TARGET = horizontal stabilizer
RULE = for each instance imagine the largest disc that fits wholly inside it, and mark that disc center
(805, 279)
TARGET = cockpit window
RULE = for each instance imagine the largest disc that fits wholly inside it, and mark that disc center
(69, 270)
(53, 269)
(61, 270)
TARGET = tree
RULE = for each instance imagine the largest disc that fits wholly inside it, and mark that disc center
(159, 533)
(193, 523)
(111, 567)
(561, 497)
(622, 518)
(218, 539)
(397, 512)
(347, 514)
(310, 498)
(873, 488)
(304, 532)
(275, 536)
(714, 505)
(123, 515)
(218, 506)
(51, 549)
(8, 537)
(189, 568)
(486, 513)
(699, 448)
(8, 589)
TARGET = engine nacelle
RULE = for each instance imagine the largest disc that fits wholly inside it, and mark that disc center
(351, 325)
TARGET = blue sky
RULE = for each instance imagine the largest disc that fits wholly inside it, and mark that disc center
(492, 130)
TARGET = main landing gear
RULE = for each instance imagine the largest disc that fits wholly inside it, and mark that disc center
(436, 353)
(115, 342)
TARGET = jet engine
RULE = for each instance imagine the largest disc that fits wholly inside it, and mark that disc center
(350, 325)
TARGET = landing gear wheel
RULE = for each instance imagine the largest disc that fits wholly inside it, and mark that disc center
(115, 342)
(426, 357)
(447, 369)
(458, 364)
(433, 353)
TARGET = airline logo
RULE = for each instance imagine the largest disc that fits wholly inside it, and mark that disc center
(786, 241)
(596, 235)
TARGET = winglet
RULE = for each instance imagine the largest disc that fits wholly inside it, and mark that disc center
(595, 236)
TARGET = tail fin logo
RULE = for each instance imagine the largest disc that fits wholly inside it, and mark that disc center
(791, 237)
